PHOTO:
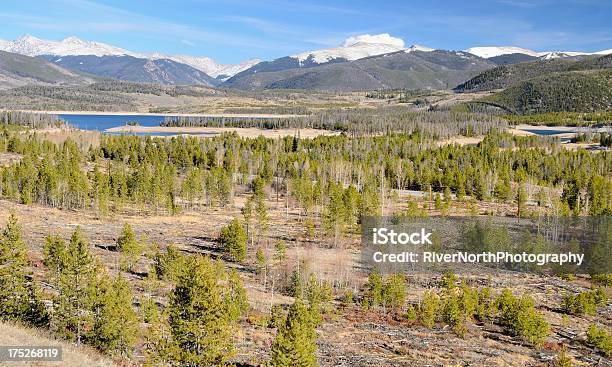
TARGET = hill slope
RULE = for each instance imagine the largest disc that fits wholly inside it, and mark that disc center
(508, 75)
(130, 68)
(579, 91)
(411, 70)
(18, 70)
(72, 356)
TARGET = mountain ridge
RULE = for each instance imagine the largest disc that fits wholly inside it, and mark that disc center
(412, 70)
(73, 46)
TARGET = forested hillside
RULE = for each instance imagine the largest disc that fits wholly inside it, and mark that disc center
(413, 70)
(588, 91)
(17, 70)
(507, 75)
(129, 68)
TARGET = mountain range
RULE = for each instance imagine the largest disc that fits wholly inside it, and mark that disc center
(73, 46)
(359, 63)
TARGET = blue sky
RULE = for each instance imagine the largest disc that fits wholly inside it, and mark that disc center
(233, 30)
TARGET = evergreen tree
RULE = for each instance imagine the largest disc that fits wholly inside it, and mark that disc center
(295, 342)
(114, 327)
(55, 255)
(236, 297)
(233, 240)
(129, 247)
(19, 296)
(201, 325)
(73, 301)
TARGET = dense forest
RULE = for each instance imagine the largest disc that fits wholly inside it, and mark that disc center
(156, 171)
(560, 92)
(365, 121)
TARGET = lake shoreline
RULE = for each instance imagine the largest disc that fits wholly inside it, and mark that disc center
(132, 113)
(214, 131)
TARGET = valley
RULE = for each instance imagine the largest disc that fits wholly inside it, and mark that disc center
(200, 187)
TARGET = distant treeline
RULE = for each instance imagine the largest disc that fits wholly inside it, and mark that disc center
(434, 124)
(33, 120)
(155, 89)
(563, 119)
(273, 110)
(402, 94)
(85, 98)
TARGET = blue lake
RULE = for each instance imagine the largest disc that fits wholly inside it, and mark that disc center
(103, 122)
(546, 131)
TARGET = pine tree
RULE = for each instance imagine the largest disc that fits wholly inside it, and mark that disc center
(114, 326)
(295, 343)
(19, 296)
(73, 300)
(247, 213)
(235, 297)
(335, 213)
(430, 306)
(233, 240)
(55, 255)
(374, 291)
(13, 264)
(280, 252)
(201, 325)
(261, 261)
(129, 247)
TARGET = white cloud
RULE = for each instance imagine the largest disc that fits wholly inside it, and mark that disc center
(383, 38)
(188, 43)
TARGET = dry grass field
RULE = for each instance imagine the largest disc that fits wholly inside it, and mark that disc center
(72, 355)
(351, 337)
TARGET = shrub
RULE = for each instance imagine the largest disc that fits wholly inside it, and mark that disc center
(486, 307)
(601, 339)
(584, 302)
(411, 313)
(389, 293)
(521, 318)
(602, 279)
(394, 291)
(563, 359)
(430, 306)
(449, 280)
(453, 315)
(170, 264)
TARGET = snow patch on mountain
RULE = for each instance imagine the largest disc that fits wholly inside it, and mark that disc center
(492, 51)
(377, 39)
(354, 48)
(208, 65)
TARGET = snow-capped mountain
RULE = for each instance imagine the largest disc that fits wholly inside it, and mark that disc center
(494, 51)
(208, 65)
(73, 46)
(358, 47)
